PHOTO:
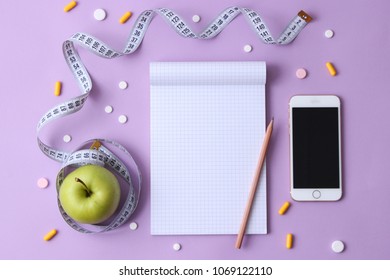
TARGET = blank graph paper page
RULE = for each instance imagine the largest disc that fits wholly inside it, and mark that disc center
(207, 125)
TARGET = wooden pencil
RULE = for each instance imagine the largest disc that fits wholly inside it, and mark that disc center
(255, 182)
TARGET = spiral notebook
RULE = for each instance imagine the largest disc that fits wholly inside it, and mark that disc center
(207, 125)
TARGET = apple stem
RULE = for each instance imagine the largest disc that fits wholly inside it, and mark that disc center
(78, 180)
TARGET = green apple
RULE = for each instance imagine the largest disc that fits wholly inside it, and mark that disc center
(90, 194)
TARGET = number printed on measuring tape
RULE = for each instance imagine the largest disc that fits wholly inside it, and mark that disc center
(102, 155)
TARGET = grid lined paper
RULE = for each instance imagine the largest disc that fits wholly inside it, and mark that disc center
(207, 128)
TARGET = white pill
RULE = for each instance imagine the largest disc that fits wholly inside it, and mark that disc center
(123, 85)
(248, 48)
(176, 246)
(133, 226)
(195, 18)
(329, 33)
(337, 246)
(99, 14)
(108, 109)
(67, 138)
(122, 118)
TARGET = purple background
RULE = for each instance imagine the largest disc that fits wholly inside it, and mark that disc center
(31, 62)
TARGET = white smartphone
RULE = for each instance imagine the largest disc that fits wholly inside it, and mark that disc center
(315, 148)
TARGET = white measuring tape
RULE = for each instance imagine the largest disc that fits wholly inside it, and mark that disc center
(100, 154)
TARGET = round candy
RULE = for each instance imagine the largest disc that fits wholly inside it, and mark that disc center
(100, 14)
(301, 73)
(42, 183)
(337, 246)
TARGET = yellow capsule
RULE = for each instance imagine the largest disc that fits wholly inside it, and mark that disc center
(284, 208)
(50, 235)
(57, 88)
(331, 69)
(70, 6)
(289, 241)
(95, 145)
(125, 17)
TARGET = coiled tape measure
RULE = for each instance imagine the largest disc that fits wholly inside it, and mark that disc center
(99, 153)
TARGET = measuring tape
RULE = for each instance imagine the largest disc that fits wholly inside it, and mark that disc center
(99, 154)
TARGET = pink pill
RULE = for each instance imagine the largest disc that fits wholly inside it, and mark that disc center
(301, 73)
(42, 183)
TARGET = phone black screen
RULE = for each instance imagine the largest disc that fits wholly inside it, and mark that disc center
(315, 148)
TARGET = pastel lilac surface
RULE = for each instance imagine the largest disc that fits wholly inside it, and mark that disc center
(32, 62)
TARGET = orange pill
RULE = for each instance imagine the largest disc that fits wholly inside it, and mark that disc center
(70, 6)
(50, 235)
(331, 69)
(289, 241)
(125, 17)
(284, 208)
(57, 88)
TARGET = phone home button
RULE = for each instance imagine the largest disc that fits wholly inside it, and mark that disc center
(316, 194)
